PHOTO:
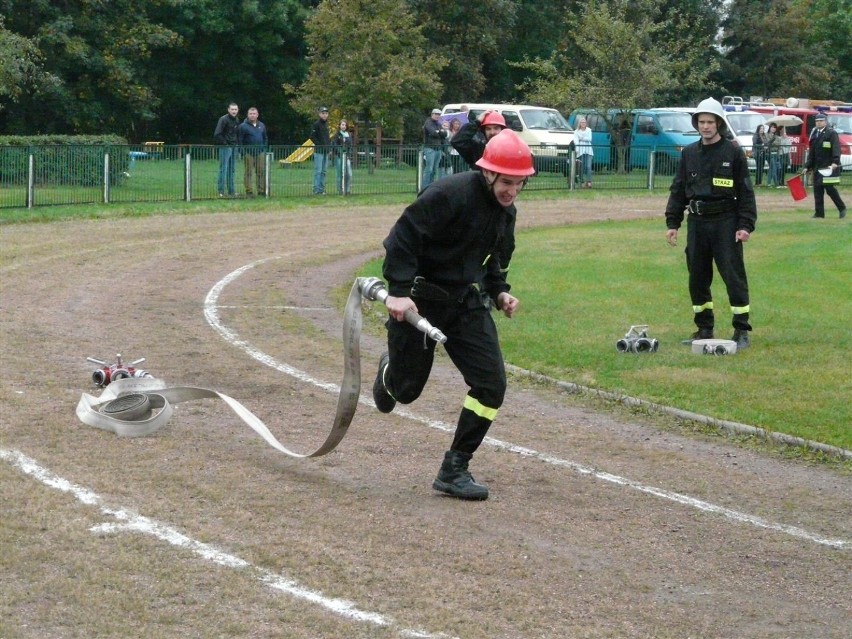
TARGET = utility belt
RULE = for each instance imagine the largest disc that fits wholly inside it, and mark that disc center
(710, 208)
(425, 290)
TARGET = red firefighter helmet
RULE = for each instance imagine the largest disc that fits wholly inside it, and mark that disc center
(493, 117)
(508, 154)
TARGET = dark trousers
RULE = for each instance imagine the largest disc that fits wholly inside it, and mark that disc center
(820, 190)
(759, 160)
(712, 239)
(473, 347)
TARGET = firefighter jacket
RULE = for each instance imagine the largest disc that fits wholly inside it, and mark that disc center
(714, 174)
(825, 149)
(470, 143)
(455, 234)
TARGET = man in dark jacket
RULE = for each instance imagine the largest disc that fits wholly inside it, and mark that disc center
(714, 185)
(434, 135)
(254, 141)
(322, 146)
(225, 136)
(446, 259)
(824, 158)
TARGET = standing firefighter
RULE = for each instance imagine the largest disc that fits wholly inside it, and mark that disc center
(447, 258)
(825, 155)
(713, 184)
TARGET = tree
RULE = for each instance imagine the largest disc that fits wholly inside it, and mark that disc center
(231, 50)
(469, 36)
(618, 54)
(786, 48)
(368, 59)
(20, 65)
(97, 51)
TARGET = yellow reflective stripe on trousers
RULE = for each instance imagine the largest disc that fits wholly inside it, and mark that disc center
(707, 306)
(831, 180)
(739, 310)
(480, 409)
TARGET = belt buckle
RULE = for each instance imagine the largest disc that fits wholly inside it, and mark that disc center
(695, 207)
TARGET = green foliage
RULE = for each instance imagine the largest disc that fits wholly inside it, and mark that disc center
(20, 64)
(788, 48)
(375, 69)
(467, 39)
(618, 54)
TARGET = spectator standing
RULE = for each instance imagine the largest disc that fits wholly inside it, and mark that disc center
(446, 258)
(471, 139)
(457, 164)
(254, 143)
(785, 146)
(322, 145)
(773, 148)
(825, 157)
(713, 183)
(434, 135)
(225, 136)
(758, 146)
(585, 152)
(342, 144)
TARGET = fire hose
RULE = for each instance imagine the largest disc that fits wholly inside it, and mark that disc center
(135, 407)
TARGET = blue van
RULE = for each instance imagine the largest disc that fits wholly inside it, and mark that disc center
(659, 132)
(602, 142)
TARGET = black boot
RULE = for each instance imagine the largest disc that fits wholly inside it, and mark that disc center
(701, 333)
(384, 401)
(455, 480)
(741, 338)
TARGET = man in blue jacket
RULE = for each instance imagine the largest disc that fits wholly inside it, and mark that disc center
(254, 141)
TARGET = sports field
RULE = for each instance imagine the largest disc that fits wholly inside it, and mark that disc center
(601, 523)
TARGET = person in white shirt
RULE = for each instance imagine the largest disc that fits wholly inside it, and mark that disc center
(585, 152)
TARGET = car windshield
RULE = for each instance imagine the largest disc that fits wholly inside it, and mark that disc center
(745, 123)
(841, 122)
(546, 119)
(676, 122)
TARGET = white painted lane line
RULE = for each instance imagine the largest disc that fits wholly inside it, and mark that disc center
(231, 336)
(128, 521)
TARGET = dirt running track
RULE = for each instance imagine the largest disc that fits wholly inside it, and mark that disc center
(597, 526)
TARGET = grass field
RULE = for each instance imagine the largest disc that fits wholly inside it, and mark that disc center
(582, 286)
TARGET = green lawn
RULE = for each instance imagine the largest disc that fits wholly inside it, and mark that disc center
(582, 286)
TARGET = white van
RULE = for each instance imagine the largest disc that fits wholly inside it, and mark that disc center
(545, 130)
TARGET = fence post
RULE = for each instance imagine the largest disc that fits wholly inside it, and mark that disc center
(31, 182)
(572, 170)
(106, 177)
(187, 176)
(420, 168)
(267, 165)
(652, 157)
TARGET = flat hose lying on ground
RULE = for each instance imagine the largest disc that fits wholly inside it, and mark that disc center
(137, 407)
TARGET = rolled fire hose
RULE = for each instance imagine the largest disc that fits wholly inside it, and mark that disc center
(134, 407)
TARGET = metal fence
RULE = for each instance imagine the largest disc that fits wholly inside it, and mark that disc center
(48, 175)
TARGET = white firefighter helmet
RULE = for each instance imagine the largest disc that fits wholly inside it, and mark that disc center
(714, 107)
